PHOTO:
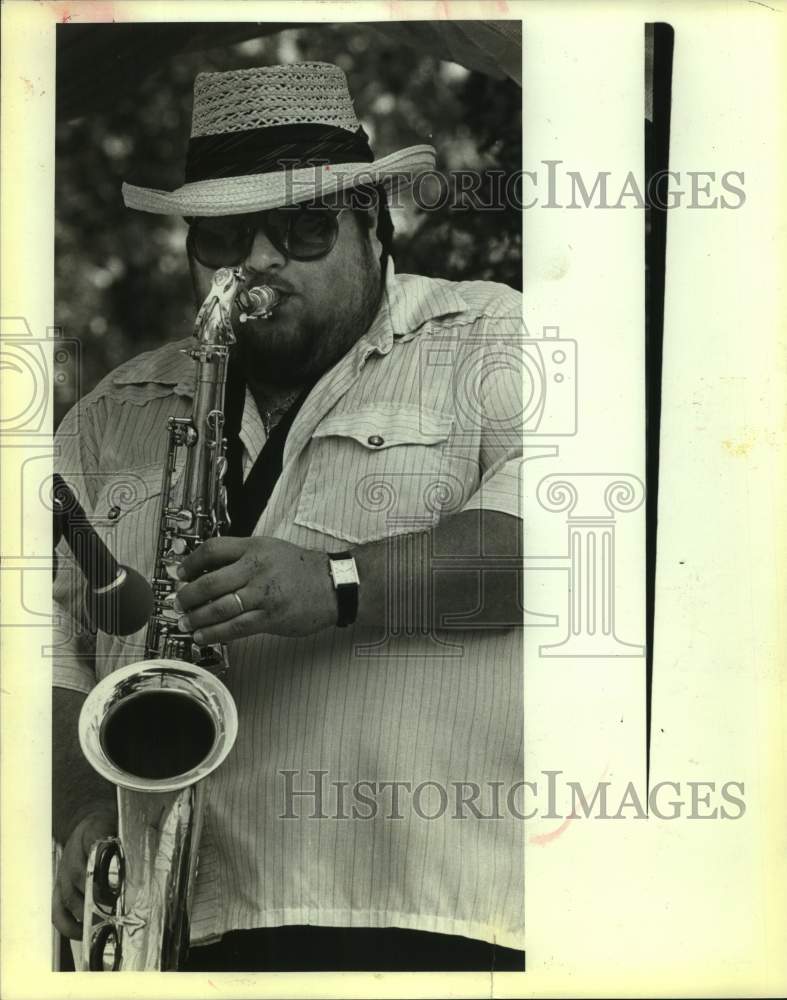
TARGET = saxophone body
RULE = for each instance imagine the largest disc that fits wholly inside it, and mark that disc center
(158, 728)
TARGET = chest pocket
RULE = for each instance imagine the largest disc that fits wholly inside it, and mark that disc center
(127, 514)
(376, 472)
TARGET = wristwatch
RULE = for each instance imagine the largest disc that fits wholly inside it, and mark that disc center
(344, 574)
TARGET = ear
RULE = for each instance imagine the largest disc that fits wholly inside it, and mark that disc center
(373, 215)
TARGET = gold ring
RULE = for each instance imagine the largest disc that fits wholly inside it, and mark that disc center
(240, 603)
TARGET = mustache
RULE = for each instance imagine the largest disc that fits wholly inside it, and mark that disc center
(255, 278)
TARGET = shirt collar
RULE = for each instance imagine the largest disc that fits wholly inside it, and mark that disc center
(169, 365)
(252, 431)
(408, 302)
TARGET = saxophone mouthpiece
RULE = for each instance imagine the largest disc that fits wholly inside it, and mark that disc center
(258, 302)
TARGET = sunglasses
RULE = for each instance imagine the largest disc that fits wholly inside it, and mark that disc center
(299, 233)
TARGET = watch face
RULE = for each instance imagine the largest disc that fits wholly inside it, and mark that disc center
(344, 572)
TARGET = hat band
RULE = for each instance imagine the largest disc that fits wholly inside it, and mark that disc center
(272, 149)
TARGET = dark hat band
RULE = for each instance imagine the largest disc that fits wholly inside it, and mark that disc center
(272, 149)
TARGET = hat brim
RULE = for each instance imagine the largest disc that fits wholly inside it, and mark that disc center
(261, 192)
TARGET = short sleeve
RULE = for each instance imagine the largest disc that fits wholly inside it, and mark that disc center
(73, 640)
(498, 393)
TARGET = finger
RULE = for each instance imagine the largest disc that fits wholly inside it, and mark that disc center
(72, 875)
(68, 907)
(212, 554)
(64, 922)
(221, 610)
(250, 623)
(73, 897)
(213, 586)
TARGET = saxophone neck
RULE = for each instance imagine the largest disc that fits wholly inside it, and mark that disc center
(213, 325)
(195, 509)
(214, 320)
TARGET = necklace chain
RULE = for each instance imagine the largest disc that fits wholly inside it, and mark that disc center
(276, 411)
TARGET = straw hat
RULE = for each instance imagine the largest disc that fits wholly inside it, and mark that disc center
(272, 136)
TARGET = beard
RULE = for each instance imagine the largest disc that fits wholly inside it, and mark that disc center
(291, 350)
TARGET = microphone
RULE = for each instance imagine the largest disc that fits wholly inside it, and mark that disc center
(119, 599)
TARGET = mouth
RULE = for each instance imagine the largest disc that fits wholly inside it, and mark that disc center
(251, 306)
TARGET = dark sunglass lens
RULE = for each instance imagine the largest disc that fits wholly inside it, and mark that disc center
(275, 224)
(217, 244)
(312, 233)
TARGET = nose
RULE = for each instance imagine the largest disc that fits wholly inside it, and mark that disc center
(263, 255)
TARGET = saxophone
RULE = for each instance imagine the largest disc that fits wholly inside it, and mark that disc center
(157, 728)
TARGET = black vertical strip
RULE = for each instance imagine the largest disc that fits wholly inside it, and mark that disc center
(246, 500)
(252, 498)
(657, 136)
(235, 399)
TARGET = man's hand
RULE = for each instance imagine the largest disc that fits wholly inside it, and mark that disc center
(68, 898)
(287, 590)
(283, 590)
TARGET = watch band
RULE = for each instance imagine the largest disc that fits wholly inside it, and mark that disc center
(344, 574)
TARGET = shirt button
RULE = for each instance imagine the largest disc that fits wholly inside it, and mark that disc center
(375, 440)
(114, 513)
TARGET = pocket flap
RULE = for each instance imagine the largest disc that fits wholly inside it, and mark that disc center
(125, 491)
(388, 424)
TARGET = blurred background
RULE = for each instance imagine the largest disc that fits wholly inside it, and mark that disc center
(124, 113)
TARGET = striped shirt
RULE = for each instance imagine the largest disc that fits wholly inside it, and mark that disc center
(420, 419)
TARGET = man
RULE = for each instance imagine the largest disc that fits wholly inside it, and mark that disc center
(366, 817)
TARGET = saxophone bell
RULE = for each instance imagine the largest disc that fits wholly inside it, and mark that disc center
(155, 733)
